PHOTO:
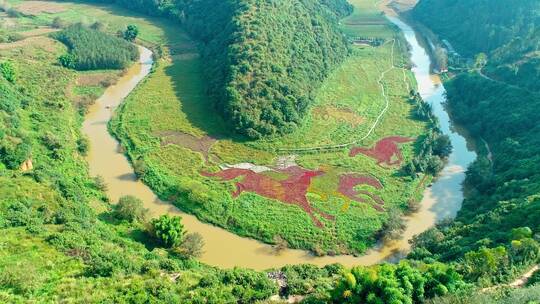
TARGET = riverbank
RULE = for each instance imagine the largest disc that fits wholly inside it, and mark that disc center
(224, 248)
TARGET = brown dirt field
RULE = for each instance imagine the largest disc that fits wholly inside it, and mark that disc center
(201, 145)
(343, 115)
(97, 79)
(38, 7)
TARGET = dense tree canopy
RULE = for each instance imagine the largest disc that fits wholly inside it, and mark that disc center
(91, 49)
(479, 26)
(494, 233)
(264, 59)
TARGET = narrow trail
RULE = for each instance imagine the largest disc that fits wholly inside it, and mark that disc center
(517, 283)
(377, 120)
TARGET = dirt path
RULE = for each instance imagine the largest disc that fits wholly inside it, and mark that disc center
(518, 283)
(377, 120)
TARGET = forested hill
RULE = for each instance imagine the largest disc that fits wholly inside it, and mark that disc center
(480, 25)
(497, 101)
(264, 58)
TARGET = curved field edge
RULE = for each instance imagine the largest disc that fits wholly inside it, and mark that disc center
(170, 110)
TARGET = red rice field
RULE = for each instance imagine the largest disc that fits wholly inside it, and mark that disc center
(385, 151)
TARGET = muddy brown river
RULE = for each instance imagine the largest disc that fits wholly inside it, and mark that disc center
(225, 249)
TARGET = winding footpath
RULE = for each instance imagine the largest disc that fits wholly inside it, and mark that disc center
(377, 120)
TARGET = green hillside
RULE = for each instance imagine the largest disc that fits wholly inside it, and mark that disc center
(263, 59)
(497, 102)
(479, 26)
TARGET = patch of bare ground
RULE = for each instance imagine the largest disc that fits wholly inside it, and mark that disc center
(395, 7)
(188, 141)
(342, 115)
(38, 7)
(98, 79)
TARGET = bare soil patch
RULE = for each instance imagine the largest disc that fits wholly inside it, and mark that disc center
(201, 145)
(343, 115)
(97, 79)
(38, 7)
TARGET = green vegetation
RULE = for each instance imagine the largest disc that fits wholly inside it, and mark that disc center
(479, 26)
(495, 235)
(261, 88)
(130, 208)
(58, 240)
(168, 230)
(396, 284)
(91, 49)
(183, 136)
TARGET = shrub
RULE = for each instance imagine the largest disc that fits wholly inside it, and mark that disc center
(7, 70)
(131, 33)
(131, 209)
(83, 145)
(534, 279)
(168, 230)
(192, 246)
(68, 61)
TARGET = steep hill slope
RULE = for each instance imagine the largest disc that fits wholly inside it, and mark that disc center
(264, 58)
(479, 26)
(498, 104)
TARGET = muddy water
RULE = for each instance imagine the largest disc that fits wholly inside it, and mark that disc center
(225, 249)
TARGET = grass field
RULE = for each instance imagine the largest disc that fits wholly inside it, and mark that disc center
(171, 104)
(169, 123)
(59, 242)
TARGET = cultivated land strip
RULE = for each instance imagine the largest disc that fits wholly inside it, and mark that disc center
(377, 120)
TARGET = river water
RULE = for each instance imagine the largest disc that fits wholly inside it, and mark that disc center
(225, 249)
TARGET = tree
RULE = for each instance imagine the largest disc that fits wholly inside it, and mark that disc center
(192, 246)
(485, 262)
(7, 70)
(68, 60)
(131, 33)
(139, 166)
(442, 146)
(131, 209)
(394, 225)
(168, 230)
